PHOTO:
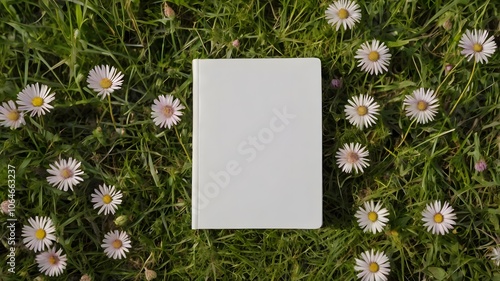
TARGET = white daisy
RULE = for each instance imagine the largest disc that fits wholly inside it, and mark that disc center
(421, 105)
(495, 255)
(51, 263)
(438, 220)
(5, 207)
(105, 79)
(168, 12)
(373, 58)
(166, 111)
(39, 233)
(150, 274)
(361, 111)
(116, 243)
(85, 277)
(35, 99)
(480, 165)
(477, 45)
(343, 12)
(374, 266)
(10, 116)
(352, 156)
(65, 174)
(107, 198)
(373, 217)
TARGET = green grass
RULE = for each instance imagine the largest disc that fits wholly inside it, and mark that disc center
(57, 43)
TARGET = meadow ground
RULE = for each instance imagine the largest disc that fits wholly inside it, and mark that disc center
(57, 43)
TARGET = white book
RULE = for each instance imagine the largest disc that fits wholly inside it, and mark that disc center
(257, 143)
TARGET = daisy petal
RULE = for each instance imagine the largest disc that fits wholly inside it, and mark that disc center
(344, 13)
(438, 220)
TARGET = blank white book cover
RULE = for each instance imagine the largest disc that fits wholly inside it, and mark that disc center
(257, 144)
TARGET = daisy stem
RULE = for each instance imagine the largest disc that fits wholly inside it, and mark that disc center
(146, 262)
(41, 122)
(449, 75)
(183, 147)
(111, 111)
(465, 89)
(406, 134)
(390, 152)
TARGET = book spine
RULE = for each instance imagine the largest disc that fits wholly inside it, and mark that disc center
(194, 169)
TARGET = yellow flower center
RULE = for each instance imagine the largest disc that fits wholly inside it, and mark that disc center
(422, 105)
(352, 157)
(372, 216)
(66, 173)
(477, 47)
(373, 56)
(117, 244)
(438, 218)
(362, 110)
(168, 111)
(343, 14)
(13, 115)
(40, 234)
(105, 83)
(373, 267)
(37, 101)
(106, 199)
(53, 260)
